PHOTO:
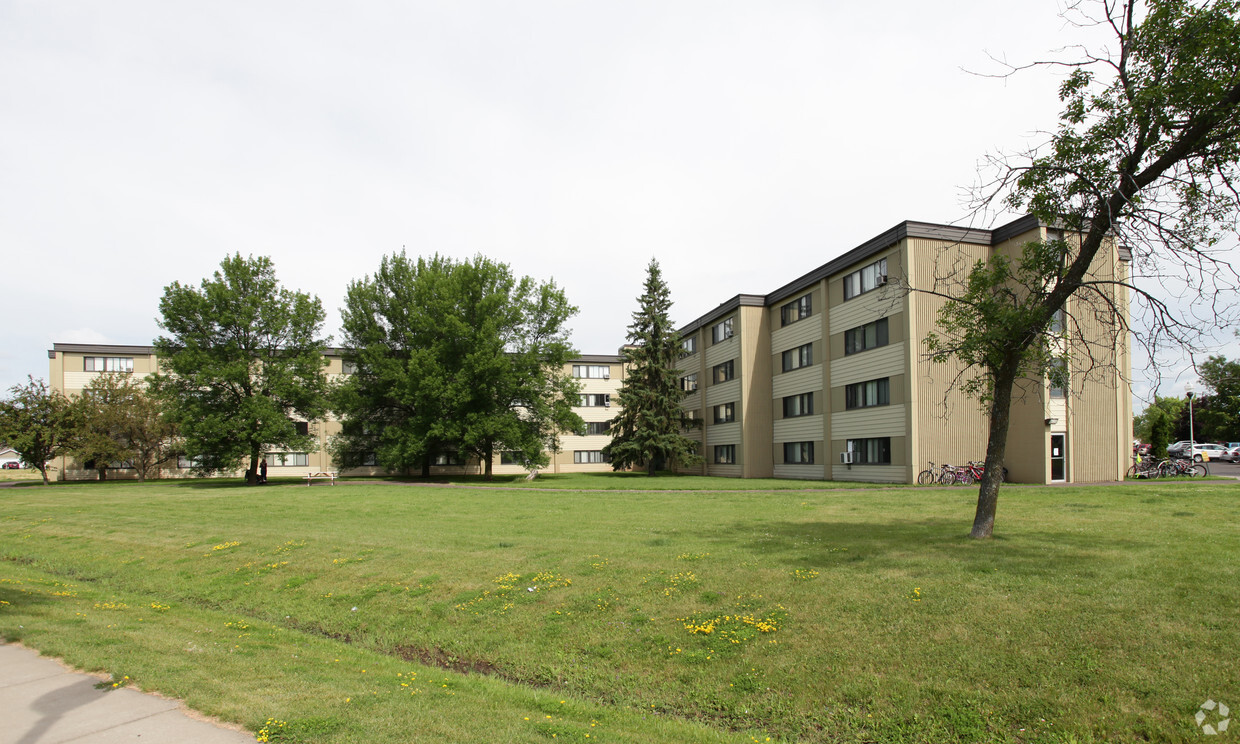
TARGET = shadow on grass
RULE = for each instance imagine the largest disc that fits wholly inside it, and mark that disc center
(880, 545)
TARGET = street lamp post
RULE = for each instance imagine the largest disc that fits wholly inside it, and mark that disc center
(1192, 437)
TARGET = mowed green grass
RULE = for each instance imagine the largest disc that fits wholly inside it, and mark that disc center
(389, 612)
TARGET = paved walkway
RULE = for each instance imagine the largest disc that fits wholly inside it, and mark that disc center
(44, 702)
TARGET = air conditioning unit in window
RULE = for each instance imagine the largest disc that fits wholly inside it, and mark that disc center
(881, 281)
(846, 458)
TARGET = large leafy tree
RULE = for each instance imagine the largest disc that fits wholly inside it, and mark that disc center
(119, 422)
(650, 425)
(456, 358)
(242, 359)
(1145, 157)
(38, 422)
(1219, 412)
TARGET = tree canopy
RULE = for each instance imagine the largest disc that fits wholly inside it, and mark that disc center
(453, 359)
(38, 422)
(119, 422)
(1145, 157)
(242, 359)
(649, 427)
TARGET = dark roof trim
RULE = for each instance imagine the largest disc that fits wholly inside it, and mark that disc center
(741, 300)
(103, 349)
(333, 351)
(907, 229)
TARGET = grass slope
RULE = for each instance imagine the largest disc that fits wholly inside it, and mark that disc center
(386, 612)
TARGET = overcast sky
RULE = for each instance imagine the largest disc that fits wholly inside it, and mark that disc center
(740, 144)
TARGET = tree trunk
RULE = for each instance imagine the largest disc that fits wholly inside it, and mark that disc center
(43, 470)
(650, 466)
(426, 466)
(996, 451)
(490, 455)
(251, 475)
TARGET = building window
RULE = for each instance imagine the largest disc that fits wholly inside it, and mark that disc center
(688, 346)
(588, 456)
(688, 383)
(348, 368)
(723, 372)
(799, 453)
(108, 364)
(449, 459)
(801, 356)
(799, 405)
(592, 371)
(370, 459)
(868, 336)
(1059, 379)
(873, 451)
(863, 280)
(302, 427)
(795, 310)
(725, 454)
(867, 394)
(596, 427)
(288, 459)
(725, 413)
(590, 400)
(1058, 321)
(721, 331)
(185, 463)
(508, 457)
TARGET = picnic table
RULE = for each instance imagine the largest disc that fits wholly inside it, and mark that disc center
(312, 477)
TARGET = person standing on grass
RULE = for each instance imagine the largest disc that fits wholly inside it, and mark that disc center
(262, 471)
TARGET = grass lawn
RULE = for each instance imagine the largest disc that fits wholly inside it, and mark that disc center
(387, 612)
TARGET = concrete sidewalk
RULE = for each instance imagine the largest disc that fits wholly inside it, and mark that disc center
(42, 702)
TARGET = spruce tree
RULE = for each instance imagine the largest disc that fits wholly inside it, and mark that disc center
(649, 426)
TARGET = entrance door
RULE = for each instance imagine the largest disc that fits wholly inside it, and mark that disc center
(1059, 457)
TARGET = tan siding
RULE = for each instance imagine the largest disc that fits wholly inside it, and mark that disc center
(865, 309)
(946, 425)
(886, 361)
(725, 392)
(799, 429)
(804, 331)
(815, 471)
(724, 434)
(869, 473)
(883, 421)
(804, 380)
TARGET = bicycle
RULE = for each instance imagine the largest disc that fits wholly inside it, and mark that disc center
(1181, 466)
(1144, 467)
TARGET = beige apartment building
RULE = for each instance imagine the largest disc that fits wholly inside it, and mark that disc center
(73, 366)
(827, 377)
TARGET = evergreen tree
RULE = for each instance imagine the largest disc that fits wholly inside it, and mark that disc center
(650, 423)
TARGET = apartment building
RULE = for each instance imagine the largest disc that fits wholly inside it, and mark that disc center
(73, 366)
(827, 377)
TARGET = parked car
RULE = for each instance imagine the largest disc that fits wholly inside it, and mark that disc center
(1231, 453)
(12, 465)
(1202, 452)
(1179, 448)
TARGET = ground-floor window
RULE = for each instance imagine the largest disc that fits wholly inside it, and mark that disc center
(288, 459)
(872, 451)
(588, 456)
(449, 459)
(725, 454)
(799, 453)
